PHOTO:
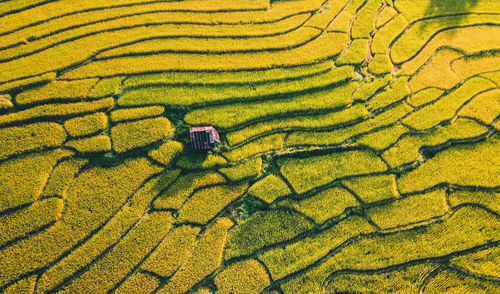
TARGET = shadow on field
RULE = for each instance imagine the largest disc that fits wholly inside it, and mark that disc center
(458, 8)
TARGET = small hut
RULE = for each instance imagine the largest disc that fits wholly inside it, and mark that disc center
(203, 138)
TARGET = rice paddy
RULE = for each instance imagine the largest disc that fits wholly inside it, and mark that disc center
(359, 146)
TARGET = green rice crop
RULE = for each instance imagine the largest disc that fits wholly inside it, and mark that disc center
(410, 210)
(172, 251)
(100, 143)
(200, 95)
(205, 258)
(340, 135)
(41, 214)
(30, 137)
(228, 116)
(204, 204)
(244, 170)
(131, 135)
(461, 165)
(323, 205)
(269, 188)
(466, 228)
(86, 125)
(243, 277)
(349, 115)
(262, 229)
(282, 261)
(23, 178)
(307, 173)
(446, 107)
(373, 188)
(178, 192)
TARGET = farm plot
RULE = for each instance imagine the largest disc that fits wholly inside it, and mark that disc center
(359, 146)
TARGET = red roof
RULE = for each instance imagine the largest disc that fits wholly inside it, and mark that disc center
(205, 137)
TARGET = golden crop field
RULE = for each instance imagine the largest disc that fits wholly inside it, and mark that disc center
(360, 146)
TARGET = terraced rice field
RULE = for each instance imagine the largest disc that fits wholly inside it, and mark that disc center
(360, 149)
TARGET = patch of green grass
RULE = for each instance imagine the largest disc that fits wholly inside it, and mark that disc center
(269, 188)
(86, 125)
(407, 150)
(247, 169)
(125, 114)
(410, 210)
(172, 251)
(446, 107)
(373, 188)
(200, 161)
(245, 277)
(206, 203)
(323, 205)
(30, 137)
(282, 261)
(205, 258)
(307, 173)
(264, 228)
(356, 53)
(132, 135)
